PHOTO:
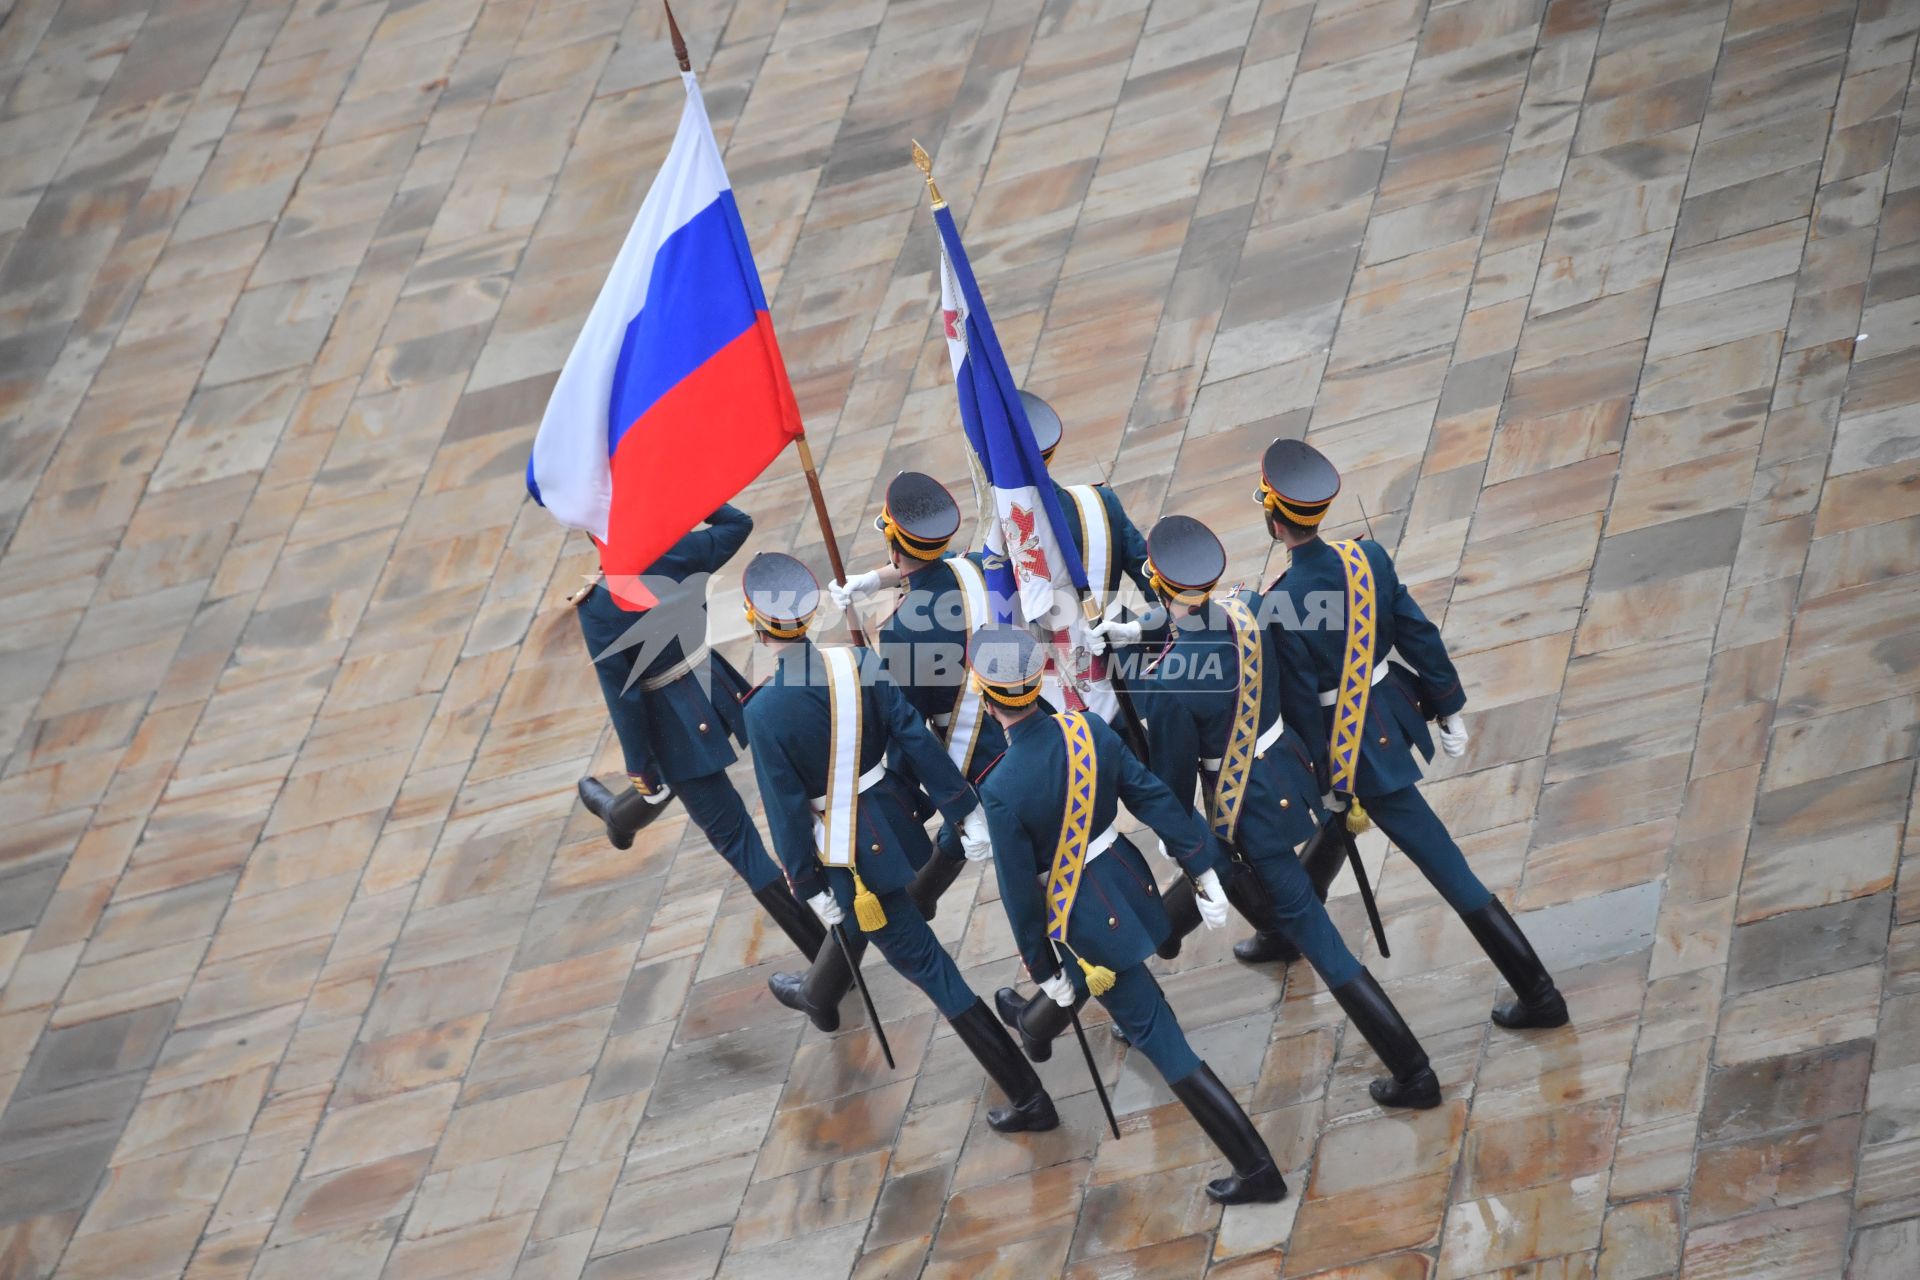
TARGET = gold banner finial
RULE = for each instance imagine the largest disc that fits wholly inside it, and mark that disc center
(924, 163)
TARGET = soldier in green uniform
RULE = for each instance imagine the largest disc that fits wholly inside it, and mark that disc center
(1084, 909)
(846, 826)
(675, 704)
(1376, 710)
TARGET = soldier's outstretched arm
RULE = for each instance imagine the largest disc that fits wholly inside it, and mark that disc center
(1418, 641)
(726, 532)
(939, 777)
(1147, 798)
(1018, 865)
(789, 820)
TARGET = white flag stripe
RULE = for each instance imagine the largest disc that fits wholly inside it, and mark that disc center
(953, 314)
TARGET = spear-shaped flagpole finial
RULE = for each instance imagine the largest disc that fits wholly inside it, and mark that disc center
(679, 41)
(924, 163)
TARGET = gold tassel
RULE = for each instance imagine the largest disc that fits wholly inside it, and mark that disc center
(866, 907)
(1099, 978)
(1357, 819)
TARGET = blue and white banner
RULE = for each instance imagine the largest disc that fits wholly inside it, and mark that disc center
(1033, 555)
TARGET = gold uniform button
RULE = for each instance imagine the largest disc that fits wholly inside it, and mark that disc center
(703, 727)
(1285, 803)
(875, 848)
(1112, 923)
(1383, 739)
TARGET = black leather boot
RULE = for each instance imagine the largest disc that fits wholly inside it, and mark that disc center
(1254, 1180)
(1032, 1110)
(626, 814)
(933, 880)
(1255, 904)
(818, 992)
(1265, 948)
(1038, 1020)
(1183, 909)
(798, 922)
(1323, 855)
(1540, 1003)
(1411, 1082)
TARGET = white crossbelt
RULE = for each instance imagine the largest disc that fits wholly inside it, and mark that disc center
(942, 720)
(1267, 739)
(867, 781)
(1100, 844)
(1330, 696)
(1095, 847)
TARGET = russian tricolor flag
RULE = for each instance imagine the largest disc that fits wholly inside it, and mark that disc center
(675, 396)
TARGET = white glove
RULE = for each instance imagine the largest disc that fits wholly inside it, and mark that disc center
(1111, 633)
(974, 840)
(1333, 802)
(1059, 989)
(659, 795)
(1453, 736)
(1212, 900)
(826, 908)
(856, 588)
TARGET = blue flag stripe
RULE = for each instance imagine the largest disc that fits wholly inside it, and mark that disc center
(699, 299)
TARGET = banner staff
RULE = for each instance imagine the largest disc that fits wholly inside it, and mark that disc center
(685, 60)
(924, 163)
(679, 42)
(1076, 572)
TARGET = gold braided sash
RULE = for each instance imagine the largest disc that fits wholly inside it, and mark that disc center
(1356, 670)
(1076, 830)
(1236, 762)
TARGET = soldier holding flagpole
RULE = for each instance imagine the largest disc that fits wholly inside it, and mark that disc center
(1057, 553)
(924, 643)
(1032, 562)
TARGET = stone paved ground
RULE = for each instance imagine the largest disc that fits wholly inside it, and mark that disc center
(313, 968)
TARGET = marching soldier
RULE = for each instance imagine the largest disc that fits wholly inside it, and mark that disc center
(1111, 550)
(1082, 904)
(674, 705)
(845, 824)
(925, 645)
(1377, 710)
(1223, 701)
